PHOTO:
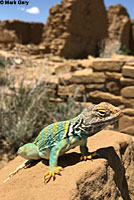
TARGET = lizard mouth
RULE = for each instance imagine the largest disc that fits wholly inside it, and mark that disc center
(114, 119)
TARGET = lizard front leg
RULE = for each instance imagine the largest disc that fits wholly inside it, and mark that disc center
(54, 154)
(85, 154)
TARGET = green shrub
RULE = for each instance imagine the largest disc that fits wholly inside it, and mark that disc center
(124, 51)
(25, 111)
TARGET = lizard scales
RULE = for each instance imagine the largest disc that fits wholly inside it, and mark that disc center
(57, 138)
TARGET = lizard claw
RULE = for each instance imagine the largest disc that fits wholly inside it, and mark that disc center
(51, 173)
(88, 157)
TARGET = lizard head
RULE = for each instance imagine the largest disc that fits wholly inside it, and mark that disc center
(97, 117)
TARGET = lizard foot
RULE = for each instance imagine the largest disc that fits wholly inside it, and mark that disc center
(51, 173)
(88, 157)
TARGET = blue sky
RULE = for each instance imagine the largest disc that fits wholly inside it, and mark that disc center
(38, 10)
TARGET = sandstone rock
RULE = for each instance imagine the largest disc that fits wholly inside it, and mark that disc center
(98, 96)
(126, 81)
(113, 87)
(119, 24)
(91, 87)
(62, 68)
(71, 90)
(129, 111)
(128, 102)
(82, 76)
(86, 63)
(118, 31)
(25, 32)
(56, 59)
(131, 62)
(125, 122)
(111, 176)
(128, 71)
(128, 92)
(132, 36)
(109, 47)
(7, 36)
(128, 130)
(107, 65)
(50, 81)
(72, 31)
(64, 79)
(113, 75)
(85, 77)
(126, 58)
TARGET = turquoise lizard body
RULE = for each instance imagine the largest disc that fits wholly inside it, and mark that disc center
(57, 138)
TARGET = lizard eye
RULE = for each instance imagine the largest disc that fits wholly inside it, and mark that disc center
(102, 112)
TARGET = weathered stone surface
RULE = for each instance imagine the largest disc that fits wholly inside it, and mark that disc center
(125, 58)
(86, 63)
(111, 176)
(126, 81)
(64, 79)
(91, 86)
(125, 122)
(57, 59)
(113, 87)
(128, 102)
(129, 111)
(71, 90)
(82, 76)
(128, 71)
(118, 31)
(130, 62)
(98, 96)
(128, 92)
(129, 130)
(62, 68)
(25, 32)
(7, 36)
(119, 24)
(132, 36)
(72, 31)
(113, 75)
(107, 65)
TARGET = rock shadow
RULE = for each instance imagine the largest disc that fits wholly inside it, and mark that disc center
(116, 164)
(107, 153)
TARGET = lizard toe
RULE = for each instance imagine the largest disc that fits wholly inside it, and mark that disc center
(88, 157)
(51, 173)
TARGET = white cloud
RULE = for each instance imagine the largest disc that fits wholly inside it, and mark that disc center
(33, 10)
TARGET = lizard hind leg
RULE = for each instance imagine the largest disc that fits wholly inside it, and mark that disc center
(28, 151)
(23, 165)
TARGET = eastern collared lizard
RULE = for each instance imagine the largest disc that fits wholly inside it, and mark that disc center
(57, 138)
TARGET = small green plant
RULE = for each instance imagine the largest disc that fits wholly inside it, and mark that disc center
(3, 80)
(24, 112)
(69, 109)
(2, 62)
(124, 51)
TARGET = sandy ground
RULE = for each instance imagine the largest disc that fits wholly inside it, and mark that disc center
(28, 183)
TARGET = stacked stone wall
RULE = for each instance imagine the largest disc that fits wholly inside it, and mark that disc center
(95, 80)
